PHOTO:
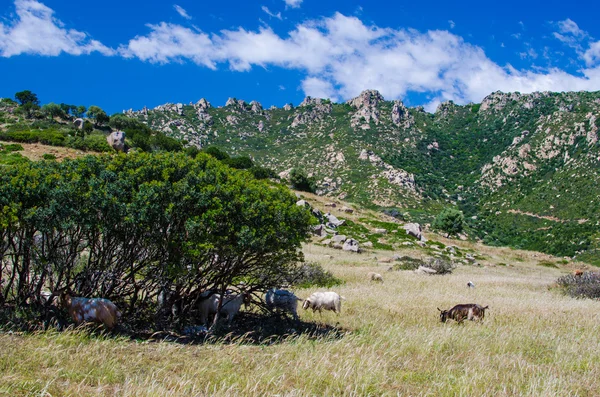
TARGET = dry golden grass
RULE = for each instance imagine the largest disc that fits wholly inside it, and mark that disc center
(36, 151)
(533, 342)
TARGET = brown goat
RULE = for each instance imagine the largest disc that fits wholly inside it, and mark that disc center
(96, 310)
(459, 313)
(578, 272)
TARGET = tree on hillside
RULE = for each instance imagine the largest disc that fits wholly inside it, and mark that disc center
(29, 102)
(99, 115)
(450, 220)
(27, 96)
(300, 181)
(78, 111)
(132, 227)
(53, 110)
(216, 153)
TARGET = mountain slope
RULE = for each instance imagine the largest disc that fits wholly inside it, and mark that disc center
(523, 167)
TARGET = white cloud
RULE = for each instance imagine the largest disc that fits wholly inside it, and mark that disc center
(452, 24)
(341, 56)
(569, 27)
(293, 3)
(36, 31)
(271, 14)
(592, 55)
(181, 11)
(317, 88)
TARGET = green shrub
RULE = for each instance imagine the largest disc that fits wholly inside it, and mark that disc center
(586, 285)
(49, 156)
(441, 265)
(300, 181)
(547, 264)
(408, 263)
(311, 274)
(13, 147)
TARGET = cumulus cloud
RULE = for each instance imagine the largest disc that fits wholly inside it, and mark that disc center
(293, 3)
(34, 30)
(341, 56)
(181, 11)
(271, 14)
(592, 55)
(570, 27)
(318, 88)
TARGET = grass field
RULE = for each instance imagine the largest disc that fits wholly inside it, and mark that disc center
(533, 342)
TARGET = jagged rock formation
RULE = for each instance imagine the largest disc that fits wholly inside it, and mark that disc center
(508, 153)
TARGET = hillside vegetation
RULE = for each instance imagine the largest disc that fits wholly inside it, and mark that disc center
(523, 168)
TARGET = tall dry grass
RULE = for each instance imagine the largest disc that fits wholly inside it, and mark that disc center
(533, 342)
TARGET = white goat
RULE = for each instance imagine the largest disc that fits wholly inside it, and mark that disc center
(230, 306)
(375, 277)
(324, 300)
(282, 300)
(95, 310)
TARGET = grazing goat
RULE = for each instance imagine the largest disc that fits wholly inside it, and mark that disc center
(459, 313)
(578, 272)
(282, 300)
(324, 300)
(375, 277)
(96, 310)
(470, 284)
(230, 306)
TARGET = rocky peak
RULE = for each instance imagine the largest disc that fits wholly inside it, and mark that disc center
(203, 104)
(401, 115)
(236, 103)
(288, 106)
(497, 100)
(256, 107)
(445, 108)
(319, 108)
(367, 98)
(311, 101)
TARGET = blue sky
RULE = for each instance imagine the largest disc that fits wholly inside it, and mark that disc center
(131, 53)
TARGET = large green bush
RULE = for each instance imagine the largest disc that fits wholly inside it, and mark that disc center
(133, 227)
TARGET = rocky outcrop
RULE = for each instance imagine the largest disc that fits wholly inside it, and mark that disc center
(351, 245)
(256, 107)
(445, 109)
(414, 229)
(367, 98)
(202, 104)
(401, 116)
(394, 176)
(498, 100)
(367, 111)
(311, 110)
(116, 140)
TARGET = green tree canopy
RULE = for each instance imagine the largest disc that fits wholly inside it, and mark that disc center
(53, 110)
(24, 97)
(450, 220)
(99, 115)
(301, 181)
(127, 227)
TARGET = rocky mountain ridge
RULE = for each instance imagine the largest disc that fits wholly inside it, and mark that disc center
(512, 155)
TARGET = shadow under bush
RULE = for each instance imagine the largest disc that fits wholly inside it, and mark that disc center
(253, 328)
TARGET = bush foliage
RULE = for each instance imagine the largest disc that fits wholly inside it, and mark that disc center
(586, 285)
(132, 227)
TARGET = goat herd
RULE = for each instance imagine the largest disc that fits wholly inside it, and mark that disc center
(103, 311)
